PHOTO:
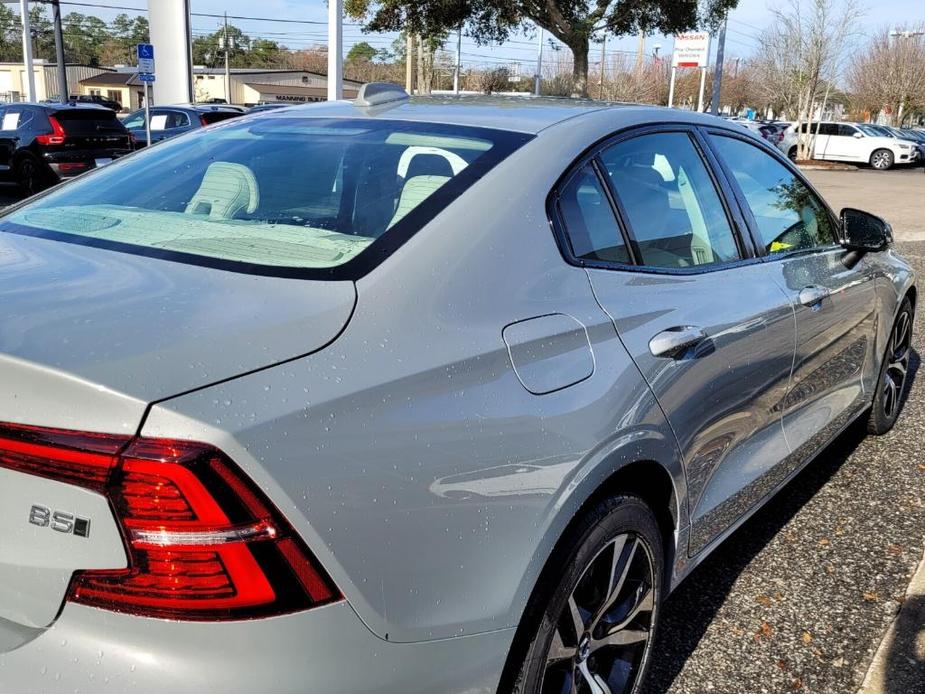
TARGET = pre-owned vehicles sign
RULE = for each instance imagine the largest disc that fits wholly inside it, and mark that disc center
(691, 50)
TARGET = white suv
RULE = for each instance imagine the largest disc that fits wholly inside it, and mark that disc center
(858, 143)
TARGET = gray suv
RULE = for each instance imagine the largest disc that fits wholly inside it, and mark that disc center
(415, 396)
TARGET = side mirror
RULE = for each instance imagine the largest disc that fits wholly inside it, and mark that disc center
(857, 135)
(864, 232)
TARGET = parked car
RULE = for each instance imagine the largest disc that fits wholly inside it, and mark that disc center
(40, 144)
(96, 99)
(170, 121)
(909, 137)
(271, 106)
(858, 143)
(420, 397)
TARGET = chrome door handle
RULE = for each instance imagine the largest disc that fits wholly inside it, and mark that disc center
(672, 342)
(813, 296)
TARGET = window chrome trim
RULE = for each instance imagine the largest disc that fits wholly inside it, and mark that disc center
(591, 155)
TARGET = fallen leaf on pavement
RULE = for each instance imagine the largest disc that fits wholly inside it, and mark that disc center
(807, 637)
(871, 595)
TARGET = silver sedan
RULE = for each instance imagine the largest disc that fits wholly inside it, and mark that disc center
(414, 396)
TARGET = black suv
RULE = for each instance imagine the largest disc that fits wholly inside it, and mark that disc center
(96, 99)
(42, 143)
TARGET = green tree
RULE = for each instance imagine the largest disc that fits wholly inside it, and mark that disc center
(362, 51)
(43, 35)
(84, 37)
(209, 50)
(574, 22)
(10, 35)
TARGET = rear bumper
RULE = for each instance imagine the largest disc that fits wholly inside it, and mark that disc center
(323, 650)
(72, 163)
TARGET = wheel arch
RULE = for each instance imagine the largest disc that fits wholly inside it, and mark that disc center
(656, 483)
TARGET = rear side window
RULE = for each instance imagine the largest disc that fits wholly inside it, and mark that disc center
(88, 122)
(670, 202)
(273, 195)
(788, 215)
(210, 117)
(589, 221)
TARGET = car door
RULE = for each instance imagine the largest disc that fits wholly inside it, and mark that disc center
(833, 294)
(843, 145)
(710, 331)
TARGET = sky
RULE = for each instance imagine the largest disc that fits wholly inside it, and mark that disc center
(307, 19)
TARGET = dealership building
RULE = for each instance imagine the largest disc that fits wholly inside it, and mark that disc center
(248, 86)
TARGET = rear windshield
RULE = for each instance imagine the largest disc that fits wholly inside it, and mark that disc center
(209, 117)
(285, 196)
(87, 121)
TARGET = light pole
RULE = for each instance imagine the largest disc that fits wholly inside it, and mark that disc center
(335, 50)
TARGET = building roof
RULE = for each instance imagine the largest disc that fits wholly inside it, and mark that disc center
(292, 89)
(112, 79)
(264, 71)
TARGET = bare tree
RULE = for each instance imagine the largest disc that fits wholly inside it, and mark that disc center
(890, 74)
(802, 56)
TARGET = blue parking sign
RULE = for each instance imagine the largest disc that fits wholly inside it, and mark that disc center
(146, 58)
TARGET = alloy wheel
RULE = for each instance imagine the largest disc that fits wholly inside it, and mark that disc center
(882, 160)
(894, 379)
(603, 634)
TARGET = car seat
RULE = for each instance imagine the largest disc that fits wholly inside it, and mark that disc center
(226, 190)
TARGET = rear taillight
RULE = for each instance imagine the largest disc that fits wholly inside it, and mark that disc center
(203, 121)
(203, 541)
(72, 167)
(57, 135)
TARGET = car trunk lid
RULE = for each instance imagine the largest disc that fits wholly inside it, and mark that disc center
(90, 337)
(92, 129)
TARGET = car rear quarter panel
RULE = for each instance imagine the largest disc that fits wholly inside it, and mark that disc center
(428, 480)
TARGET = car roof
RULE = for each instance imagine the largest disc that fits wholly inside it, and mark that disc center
(58, 106)
(525, 114)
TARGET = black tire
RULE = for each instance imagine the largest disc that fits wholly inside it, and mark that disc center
(32, 175)
(891, 385)
(618, 537)
(792, 154)
(882, 159)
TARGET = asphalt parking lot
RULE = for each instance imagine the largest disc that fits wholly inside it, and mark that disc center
(801, 597)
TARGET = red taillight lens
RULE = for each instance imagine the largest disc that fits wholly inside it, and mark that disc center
(57, 135)
(203, 541)
(203, 121)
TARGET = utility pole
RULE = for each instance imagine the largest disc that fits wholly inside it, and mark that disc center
(335, 50)
(640, 52)
(603, 66)
(227, 46)
(458, 60)
(63, 96)
(538, 78)
(409, 62)
(718, 72)
(27, 50)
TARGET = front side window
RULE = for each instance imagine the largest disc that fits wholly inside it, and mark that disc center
(589, 221)
(672, 206)
(788, 215)
(281, 193)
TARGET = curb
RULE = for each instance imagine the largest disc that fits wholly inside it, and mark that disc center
(816, 167)
(902, 636)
